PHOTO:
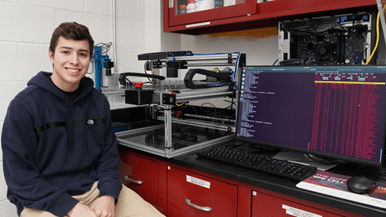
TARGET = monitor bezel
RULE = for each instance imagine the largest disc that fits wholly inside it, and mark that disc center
(333, 157)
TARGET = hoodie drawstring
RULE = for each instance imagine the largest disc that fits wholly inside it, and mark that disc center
(68, 132)
(84, 128)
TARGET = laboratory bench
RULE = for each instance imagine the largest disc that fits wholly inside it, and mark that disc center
(189, 185)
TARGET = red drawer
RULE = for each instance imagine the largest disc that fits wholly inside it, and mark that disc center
(140, 175)
(206, 196)
(266, 205)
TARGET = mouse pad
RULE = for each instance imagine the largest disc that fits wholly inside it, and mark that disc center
(335, 185)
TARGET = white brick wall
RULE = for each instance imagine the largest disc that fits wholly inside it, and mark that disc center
(25, 31)
(26, 27)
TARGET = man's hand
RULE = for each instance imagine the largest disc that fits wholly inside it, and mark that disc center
(104, 206)
(81, 210)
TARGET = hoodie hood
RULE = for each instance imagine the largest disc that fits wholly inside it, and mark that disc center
(43, 80)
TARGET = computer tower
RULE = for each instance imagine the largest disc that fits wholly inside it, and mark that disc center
(344, 39)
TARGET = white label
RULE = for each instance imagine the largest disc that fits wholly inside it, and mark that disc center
(298, 212)
(198, 182)
(171, 3)
(197, 24)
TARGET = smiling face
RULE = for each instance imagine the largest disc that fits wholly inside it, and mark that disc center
(71, 61)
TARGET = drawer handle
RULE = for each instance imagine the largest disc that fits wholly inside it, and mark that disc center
(131, 180)
(206, 209)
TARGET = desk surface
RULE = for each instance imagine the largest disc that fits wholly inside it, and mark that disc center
(271, 183)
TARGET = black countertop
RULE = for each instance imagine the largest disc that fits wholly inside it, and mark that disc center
(271, 182)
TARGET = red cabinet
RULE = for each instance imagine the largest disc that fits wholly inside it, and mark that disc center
(266, 205)
(190, 194)
(179, 191)
(248, 14)
(140, 175)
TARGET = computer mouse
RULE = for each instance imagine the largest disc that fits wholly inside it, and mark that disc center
(360, 184)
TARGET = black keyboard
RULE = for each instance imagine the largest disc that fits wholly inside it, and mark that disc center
(258, 162)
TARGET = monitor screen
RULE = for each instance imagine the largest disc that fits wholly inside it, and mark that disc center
(333, 111)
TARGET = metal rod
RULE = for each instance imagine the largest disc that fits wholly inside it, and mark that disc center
(210, 95)
(202, 57)
(209, 118)
(168, 126)
(208, 64)
(203, 64)
(189, 92)
(196, 147)
(197, 123)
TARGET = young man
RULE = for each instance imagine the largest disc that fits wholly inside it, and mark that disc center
(59, 151)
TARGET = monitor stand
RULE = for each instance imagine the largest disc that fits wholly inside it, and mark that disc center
(302, 158)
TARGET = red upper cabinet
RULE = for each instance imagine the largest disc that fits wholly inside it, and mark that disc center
(248, 14)
(206, 12)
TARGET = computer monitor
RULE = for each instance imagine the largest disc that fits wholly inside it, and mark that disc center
(331, 111)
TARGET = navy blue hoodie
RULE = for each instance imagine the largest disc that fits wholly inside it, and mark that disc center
(54, 148)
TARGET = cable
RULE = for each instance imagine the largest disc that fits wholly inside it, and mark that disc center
(230, 116)
(105, 47)
(92, 67)
(114, 35)
(180, 104)
(379, 176)
(223, 83)
(233, 77)
(174, 58)
(376, 43)
(208, 112)
(200, 54)
(194, 109)
(144, 68)
(216, 113)
(230, 129)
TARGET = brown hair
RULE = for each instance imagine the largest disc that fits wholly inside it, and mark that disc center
(74, 31)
